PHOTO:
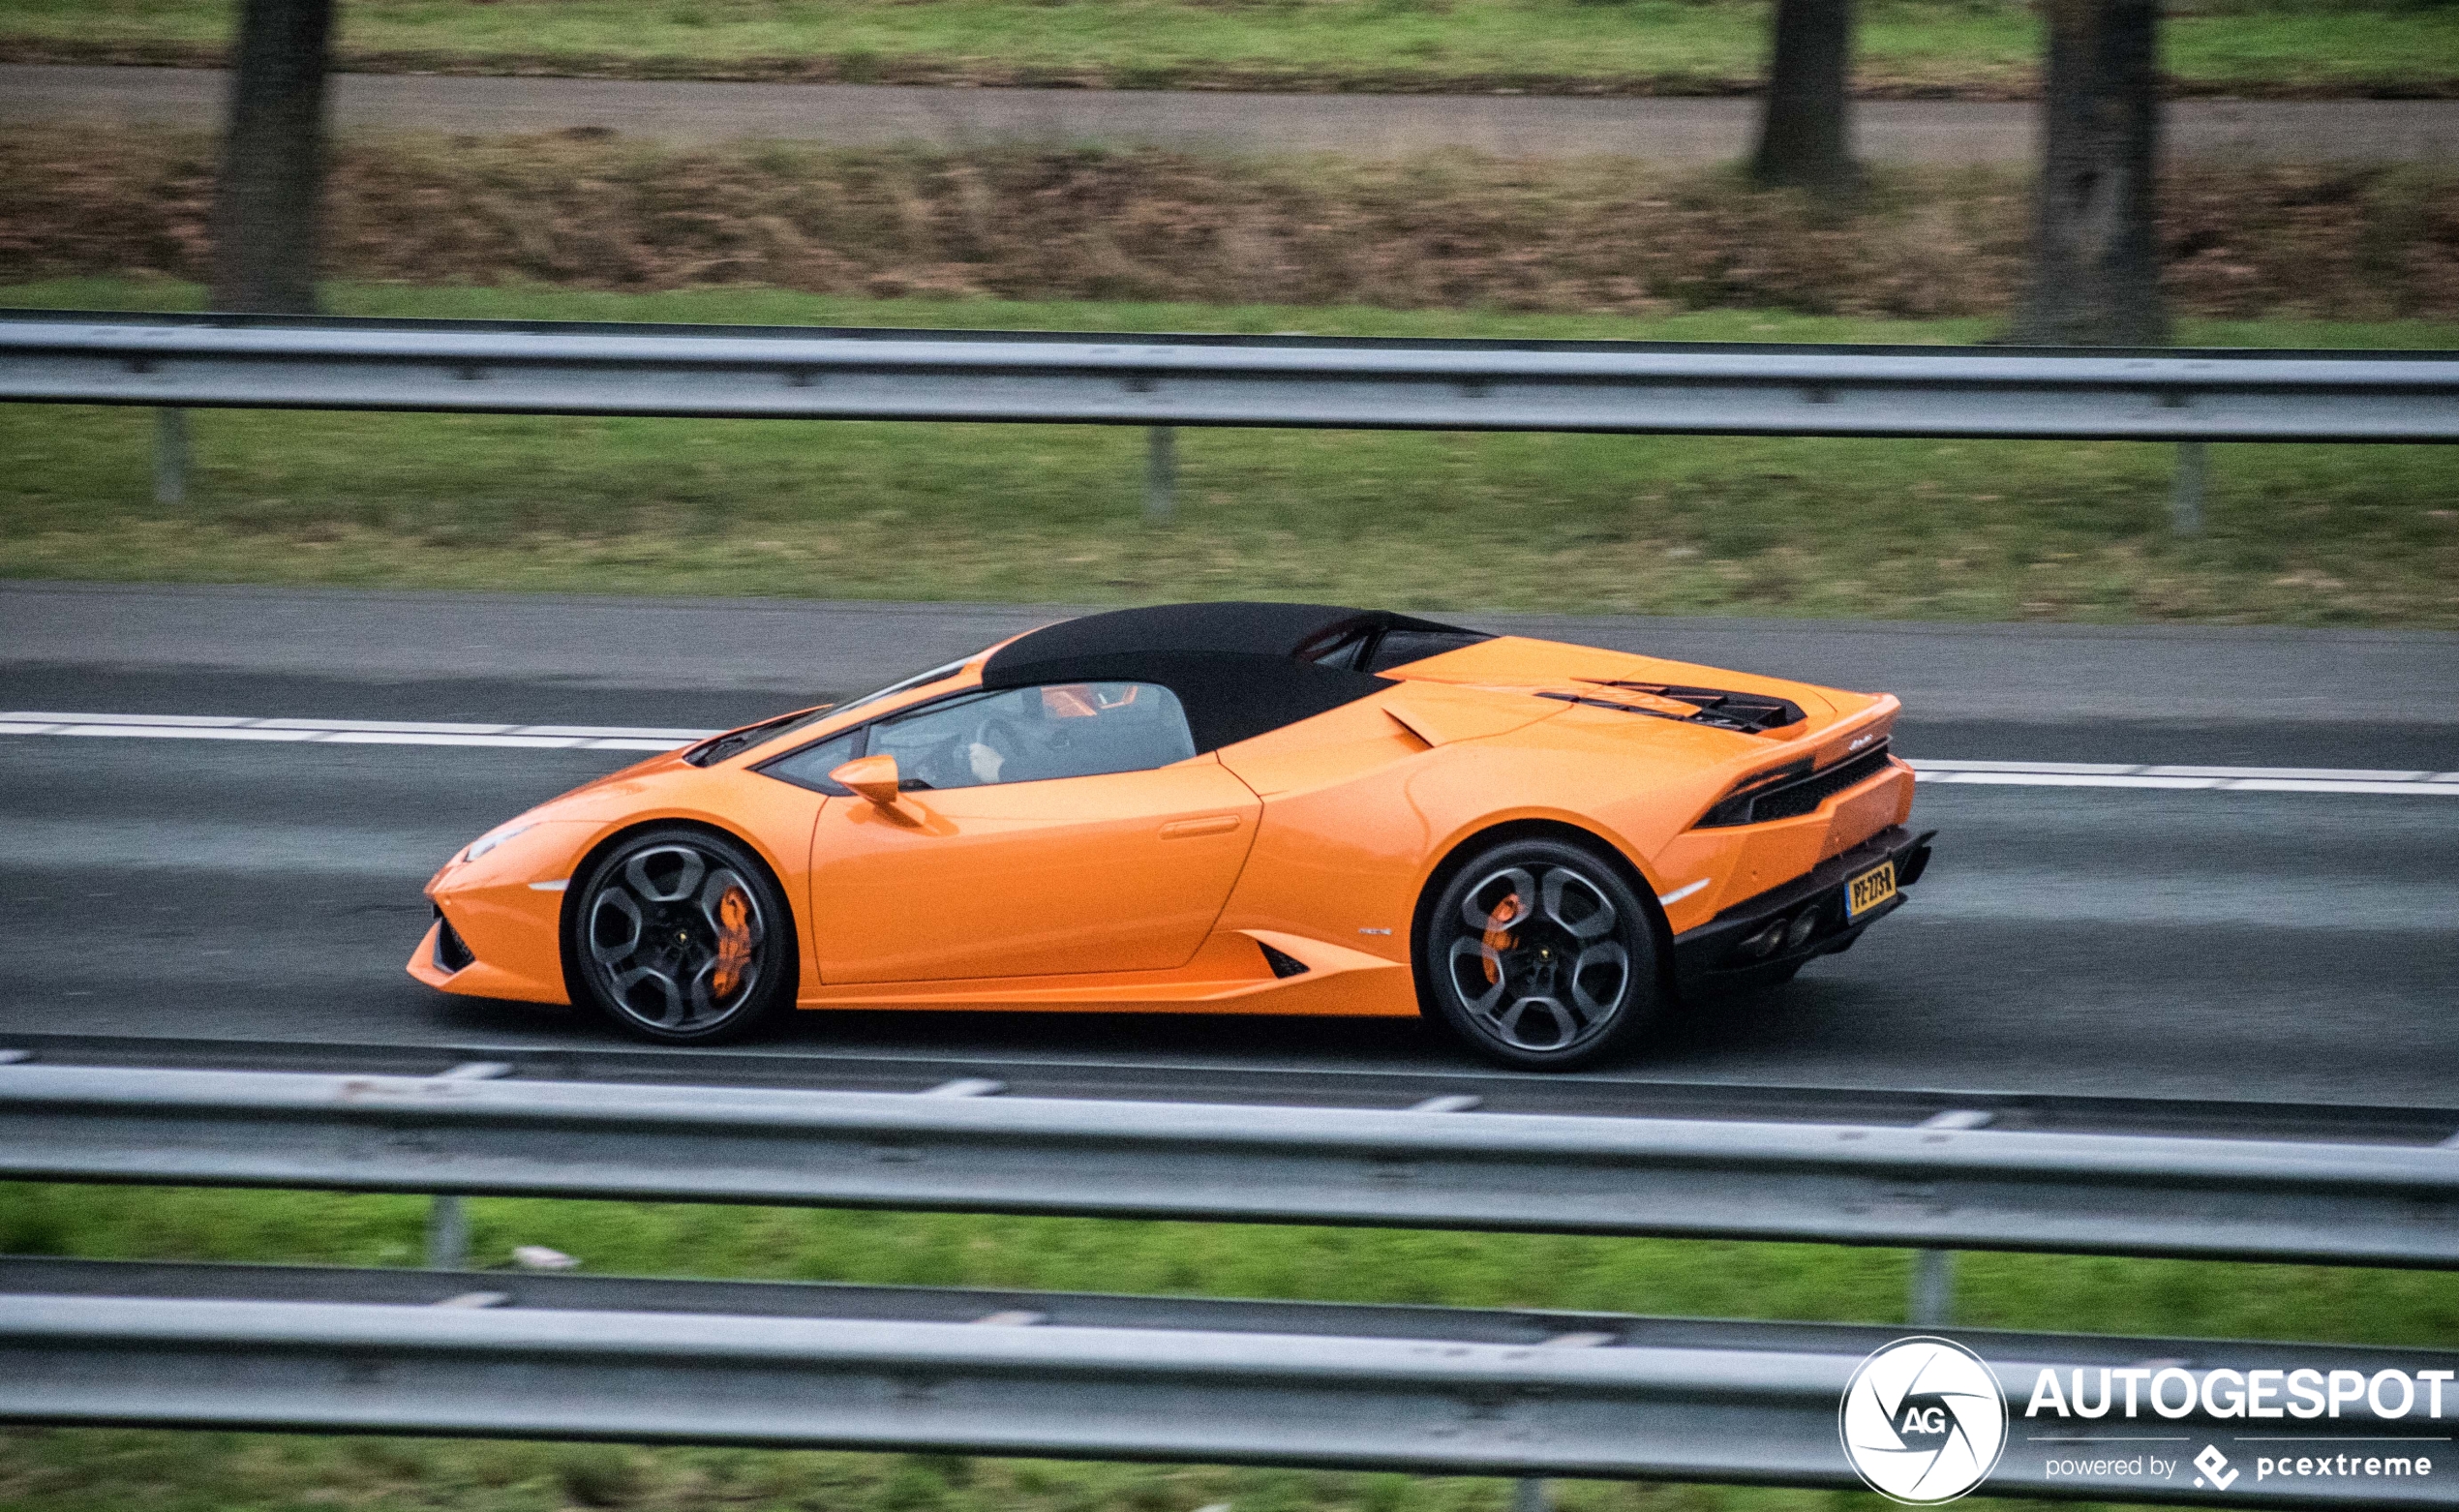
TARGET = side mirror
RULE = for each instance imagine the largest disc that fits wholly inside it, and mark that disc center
(874, 777)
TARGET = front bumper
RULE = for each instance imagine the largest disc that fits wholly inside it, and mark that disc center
(1710, 959)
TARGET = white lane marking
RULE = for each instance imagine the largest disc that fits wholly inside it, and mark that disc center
(2076, 768)
(179, 733)
(629, 737)
(534, 743)
(2306, 773)
(352, 732)
(2214, 779)
(610, 732)
(401, 726)
(2063, 779)
(225, 722)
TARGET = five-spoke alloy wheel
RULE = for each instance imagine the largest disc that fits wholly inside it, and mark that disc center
(1538, 953)
(678, 934)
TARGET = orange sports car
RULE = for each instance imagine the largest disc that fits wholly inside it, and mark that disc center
(1235, 808)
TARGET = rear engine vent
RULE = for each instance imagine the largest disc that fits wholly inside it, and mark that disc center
(451, 954)
(1282, 962)
(1790, 796)
(1751, 713)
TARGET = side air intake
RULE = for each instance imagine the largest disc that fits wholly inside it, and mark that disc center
(1282, 962)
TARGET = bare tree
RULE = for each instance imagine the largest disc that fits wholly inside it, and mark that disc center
(1805, 140)
(264, 209)
(2095, 250)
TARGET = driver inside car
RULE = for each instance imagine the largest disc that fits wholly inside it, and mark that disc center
(1028, 734)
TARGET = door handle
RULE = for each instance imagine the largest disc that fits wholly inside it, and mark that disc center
(1209, 823)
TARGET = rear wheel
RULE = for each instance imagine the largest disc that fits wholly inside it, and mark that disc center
(1539, 955)
(678, 935)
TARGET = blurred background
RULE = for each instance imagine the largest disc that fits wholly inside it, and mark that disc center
(2235, 172)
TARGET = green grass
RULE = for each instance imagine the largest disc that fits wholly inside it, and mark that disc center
(1954, 531)
(75, 1471)
(1666, 1278)
(1977, 47)
(113, 1471)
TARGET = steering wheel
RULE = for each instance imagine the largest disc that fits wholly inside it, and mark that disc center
(1004, 739)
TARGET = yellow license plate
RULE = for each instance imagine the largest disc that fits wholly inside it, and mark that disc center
(1869, 889)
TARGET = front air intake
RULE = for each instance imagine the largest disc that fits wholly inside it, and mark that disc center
(451, 952)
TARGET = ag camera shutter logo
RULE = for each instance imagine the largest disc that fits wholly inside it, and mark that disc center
(1924, 1421)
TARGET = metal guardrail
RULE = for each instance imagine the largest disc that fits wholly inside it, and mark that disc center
(819, 1067)
(1423, 1389)
(2188, 396)
(1174, 380)
(1938, 1185)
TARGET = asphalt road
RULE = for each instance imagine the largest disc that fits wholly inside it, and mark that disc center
(2239, 945)
(1374, 126)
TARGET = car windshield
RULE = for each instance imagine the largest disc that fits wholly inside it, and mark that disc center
(735, 742)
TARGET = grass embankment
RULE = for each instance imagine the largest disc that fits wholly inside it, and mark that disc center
(1986, 48)
(1973, 531)
(77, 1471)
(1450, 232)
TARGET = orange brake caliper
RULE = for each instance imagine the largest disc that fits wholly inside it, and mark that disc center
(734, 942)
(1497, 935)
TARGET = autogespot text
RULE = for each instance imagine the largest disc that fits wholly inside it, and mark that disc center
(2174, 1391)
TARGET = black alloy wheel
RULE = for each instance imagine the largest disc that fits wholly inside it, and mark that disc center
(680, 935)
(1539, 955)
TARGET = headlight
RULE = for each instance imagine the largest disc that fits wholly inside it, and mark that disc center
(493, 838)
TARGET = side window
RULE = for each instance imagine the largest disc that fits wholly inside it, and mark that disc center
(1038, 735)
(809, 767)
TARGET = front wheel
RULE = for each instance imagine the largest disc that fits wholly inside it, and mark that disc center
(678, 935)
(1539, 955)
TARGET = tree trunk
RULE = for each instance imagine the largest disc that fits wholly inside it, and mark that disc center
(264, 208)
(2095, 252)
(1804, 138)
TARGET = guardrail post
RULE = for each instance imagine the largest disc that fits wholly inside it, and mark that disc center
(1933, 1294)
(2185, 498)
(447, 1221)
(170, 457)
(447, 1234)
(1160, 473)
(1529, 1495)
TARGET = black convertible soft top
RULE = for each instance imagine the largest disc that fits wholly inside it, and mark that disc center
(1240, 669)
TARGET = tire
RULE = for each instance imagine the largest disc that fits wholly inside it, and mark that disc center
(680, 936)
(1552, 986)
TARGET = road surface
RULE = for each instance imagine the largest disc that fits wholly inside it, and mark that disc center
(2169, 943)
